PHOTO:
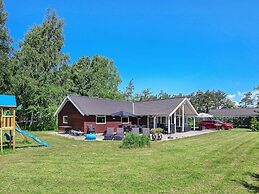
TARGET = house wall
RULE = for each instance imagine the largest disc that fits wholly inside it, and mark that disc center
(75, 119)
(113, 122)
(79, 122)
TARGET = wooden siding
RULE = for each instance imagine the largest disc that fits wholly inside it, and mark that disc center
(79, 122)
(75, 119)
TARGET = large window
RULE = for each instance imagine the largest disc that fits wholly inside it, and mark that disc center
(65, 119)
(125, 120)
(100, 119)
(162, 120)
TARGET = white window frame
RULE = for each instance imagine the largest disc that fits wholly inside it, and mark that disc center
(64, 119)
(125, 122)
(100, 116)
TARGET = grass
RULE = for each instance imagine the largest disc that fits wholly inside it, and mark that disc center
(221, 162)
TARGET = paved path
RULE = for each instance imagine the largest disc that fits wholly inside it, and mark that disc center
(186, 134)
(99, 136)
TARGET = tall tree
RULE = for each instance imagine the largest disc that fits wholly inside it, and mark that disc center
(5, 52)
(205, 101)
(247, 99)
(257, 96)
(104, 78)
(80, 74)
(146, 94)
(129, 91)
(95, 77)
(38, 81)
(163, 95)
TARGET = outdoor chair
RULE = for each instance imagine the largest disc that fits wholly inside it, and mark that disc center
(146, 131)
(119, 135)
(109, 134)
(135, 130)
(90, 129)
(76, 132)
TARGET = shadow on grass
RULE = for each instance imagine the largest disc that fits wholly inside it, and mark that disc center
(251, 187)
(28, 146)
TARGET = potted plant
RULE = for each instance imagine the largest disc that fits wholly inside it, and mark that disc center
(156, 134)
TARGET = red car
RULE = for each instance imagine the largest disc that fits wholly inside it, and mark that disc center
(212, 124)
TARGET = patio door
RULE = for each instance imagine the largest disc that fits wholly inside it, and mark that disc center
(151, 122)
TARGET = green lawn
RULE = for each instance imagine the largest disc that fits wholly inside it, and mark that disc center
(221, 162)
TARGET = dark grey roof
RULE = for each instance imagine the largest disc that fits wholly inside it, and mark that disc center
(238, 112)
(157, 107)
(98, 106)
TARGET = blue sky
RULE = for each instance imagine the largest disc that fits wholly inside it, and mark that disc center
(175, 46)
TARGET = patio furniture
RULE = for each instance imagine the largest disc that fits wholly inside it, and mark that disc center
(90, 129)
(135, 130)
(119, 135)
(91, 136)
(76, 133)
(127, 128)
(109, 134)
(146, 131)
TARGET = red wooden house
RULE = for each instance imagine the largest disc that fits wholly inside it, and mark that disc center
(77, 112)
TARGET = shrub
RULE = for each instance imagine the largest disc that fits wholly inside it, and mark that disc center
(157, 130)
(135, 141)
(254, 124)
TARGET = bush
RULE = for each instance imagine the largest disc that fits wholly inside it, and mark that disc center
(135, 141)
(157, 130)
(33, 127)
(254, 124)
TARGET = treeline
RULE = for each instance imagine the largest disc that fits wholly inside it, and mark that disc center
(202, 101)
(250, 99)
(40, 76)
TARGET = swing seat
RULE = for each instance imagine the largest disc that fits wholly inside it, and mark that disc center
(8, 137)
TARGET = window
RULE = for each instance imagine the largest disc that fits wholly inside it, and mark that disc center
(101, 119)
(124, 119)
(164, 121)
(65, 119)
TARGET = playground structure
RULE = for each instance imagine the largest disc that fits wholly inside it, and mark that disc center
(7, 119)
(8, 123)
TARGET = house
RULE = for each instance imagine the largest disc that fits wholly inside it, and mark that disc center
(239, 117)
(235, 112)
(77, 112)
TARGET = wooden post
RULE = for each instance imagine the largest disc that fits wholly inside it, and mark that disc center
(1, 131)
(154, 122)
(169, 124)
(14, 126)
(1, 139)
(183, 124)
(194, 124)
(175, 122)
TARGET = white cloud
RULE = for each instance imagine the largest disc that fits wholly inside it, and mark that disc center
(231, 96)
(239, 95)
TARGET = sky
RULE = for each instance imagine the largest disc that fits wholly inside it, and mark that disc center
(174, 46)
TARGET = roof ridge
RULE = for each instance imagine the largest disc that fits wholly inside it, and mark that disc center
(97, 98)
(161, 99)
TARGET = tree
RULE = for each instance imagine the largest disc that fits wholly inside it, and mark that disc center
(5, 52)
(205, 101)
(145, 95)
(247, 99)
(96, 77)
(38, 81)
(129, 91)
(257, 96)
(80, 76)
(104, 78)
(163, 95)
